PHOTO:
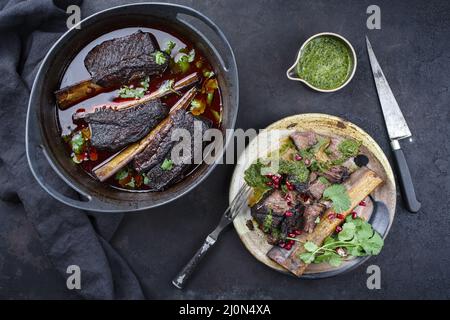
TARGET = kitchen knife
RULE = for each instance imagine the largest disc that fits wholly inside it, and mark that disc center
(397, 129)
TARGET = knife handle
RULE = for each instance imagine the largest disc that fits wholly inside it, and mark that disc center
(406, 184)
(184, 274)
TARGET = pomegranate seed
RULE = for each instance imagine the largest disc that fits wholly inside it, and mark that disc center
(289, 204)
(354, 215)
(289, 186)
(331, 216)
(340, 216)
(291, 242)
(270, 183)
(298, 157)
(362, 203)
(297, 232)
(288, 246)
(276, 186)
(307, 162)
(338, 229)
(80, 110)
(270, 175)
(281, 244)
(288, 214)
(291, 235)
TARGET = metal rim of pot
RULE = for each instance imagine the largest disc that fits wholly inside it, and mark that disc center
(94, 195)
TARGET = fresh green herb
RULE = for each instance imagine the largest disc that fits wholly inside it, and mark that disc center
(349, 148)
(319, 166)
(286, 146)
(146, 180)
(208, 74)
(321, 143)
(356, 239)
(339, 196)
(76, 159)
(267, 225)
(217, 115)
(198, 106)
(209, 98)
(160, 58)
(307, 153)
(169, 47)
(167, 165)
(77, 143)
(324, 181)
(317, 220)
(131, 184)
(183, 62)
(254, 178)
(122, 174)
(136, 93)
(297, 169)
(277, 234)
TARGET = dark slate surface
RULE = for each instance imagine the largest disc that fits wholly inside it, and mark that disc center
(413, 48)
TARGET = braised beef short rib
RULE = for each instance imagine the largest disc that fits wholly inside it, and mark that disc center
(275, 204)
(152, 158)
(125, 60)
(113, 129)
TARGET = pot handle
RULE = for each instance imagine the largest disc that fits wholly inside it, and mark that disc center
(34, 150)
(230, 64)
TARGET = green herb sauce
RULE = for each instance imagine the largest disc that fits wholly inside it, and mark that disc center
(325, 62)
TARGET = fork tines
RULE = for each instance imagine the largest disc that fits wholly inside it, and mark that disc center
(238, 202)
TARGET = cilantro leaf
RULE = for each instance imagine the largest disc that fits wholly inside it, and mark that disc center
(77, 143)
(167, 165)
(122, 174)
(335, 260)
(169, 47)
(307, 257)
(353, 239)
(348, 231)
(131, 184)
(310, 246)
(339, 196)
(160, 58)
(137, 93)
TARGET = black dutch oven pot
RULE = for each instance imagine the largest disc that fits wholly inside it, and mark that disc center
(43, 143)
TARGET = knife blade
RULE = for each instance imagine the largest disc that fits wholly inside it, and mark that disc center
(397, 129)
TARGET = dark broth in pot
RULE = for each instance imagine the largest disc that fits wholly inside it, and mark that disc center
(90, 157)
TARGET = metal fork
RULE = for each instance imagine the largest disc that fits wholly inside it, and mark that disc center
(228, 216)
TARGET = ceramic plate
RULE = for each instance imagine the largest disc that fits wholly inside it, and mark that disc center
(255, 241)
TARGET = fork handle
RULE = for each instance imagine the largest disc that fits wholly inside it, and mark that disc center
(184, 274)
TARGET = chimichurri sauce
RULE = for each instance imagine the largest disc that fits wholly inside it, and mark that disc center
(325, 63)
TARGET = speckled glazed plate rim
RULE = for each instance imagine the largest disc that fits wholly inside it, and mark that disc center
(325, 124)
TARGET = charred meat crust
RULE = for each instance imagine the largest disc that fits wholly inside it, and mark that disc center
(114, 129)
(316, 188)
(276, 205)
(312, 212)
(124, 60)
(336, 174)
(153, 156)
